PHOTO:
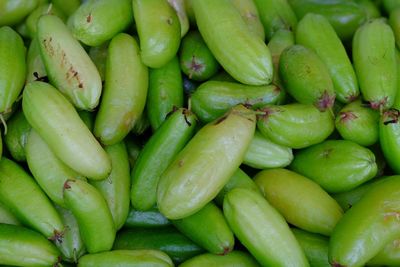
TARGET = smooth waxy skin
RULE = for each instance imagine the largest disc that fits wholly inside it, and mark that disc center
(242, 54)
(58, 123)
(345, 16)
(390, 5)
(239, 179)
(12, 67)
(306, 77)
(196, 59)
(295, 125)
(263, 153)
(17, 133)
(388, 256)
(248, 11)
(165, 92)
(213, 98)
(234, 258)
(146, 219)
(127, 258)
(319, 163)
(115, 188)
(98, 54)
(314, 246)
(71, 247)
(358, 123)
(67, 7)
(95, 22)
(67, 64)
(159, 31)
(394, 22)
(22, 196)
(91, 211)
(49, 172)
(6, 216)
(14, 11)
(35, 69)
(158, 154)
(301, 201)
(21, 246)
(125, 91)
(209, 229)
(374, 58)
(368, 226)
(316, 33)
(32, 19)
(276, 15)
(389, 138)
(179, 6)
(166, 239)
(261, 229)
(205, 164)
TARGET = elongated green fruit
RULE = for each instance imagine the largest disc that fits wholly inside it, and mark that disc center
(14, 11)
(358, 123)
(234, 258)
(388, 256)
(125, 91)
(389, 128)
(295, 125)
(67, 64)
(276, 15)
(98, 54)
(315, 247)
(374, 217)
(71, 247)
(205, 164)
(261, 229)
(301, 201)
(88, 118)
(49, 172)
(345, 16)
(157, 155)
(12, 67)
(20, 246)
(116, 187)
(263, 153)
(128, 258)
(238, 180)
(390, 5)
(35, 69)
(179, 6)
(165, 92)
(94, 218)
(17, 134)
(95, 22)
(32, 19)
(146, 219)
(212, 99)
(281, 40)
(22, 196)
(58, 123)
(6, 216)
(196, 59)
(252, 62)
(159, 31)
(209, 229)
(370, 8)
(376, 74)
(250, 15)
(319, 163)
(316, 33)
(394, 22)
(166, 239)
(306, 77)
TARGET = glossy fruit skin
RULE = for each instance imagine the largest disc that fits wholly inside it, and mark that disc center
(320, 163)
(301, 201)
(306, 77)
(32, 19)
(377, 75)
(388, 256)
(205, 164)
(180, 9)
(234, 258)
(157, 154)
(17, 133)
(295, 125)
(146, 219)
(67, 64)
(315, 32)
(159, 31)
(227, 36)
(12, 12)
(394, 23)
(389, 138)
(12, 67)
(249, 12)
(7, 217)
(374, 217)
(261, 229)
(35, 69)
(58, 123)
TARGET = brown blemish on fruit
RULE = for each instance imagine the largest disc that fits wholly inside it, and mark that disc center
(326, 101)
(335, 264)
(89, 18)
(326, 152)
(170, 21)
(347, 116)
(391, 116)
(180, 163)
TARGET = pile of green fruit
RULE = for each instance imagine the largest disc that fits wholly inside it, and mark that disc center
(196, 133)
